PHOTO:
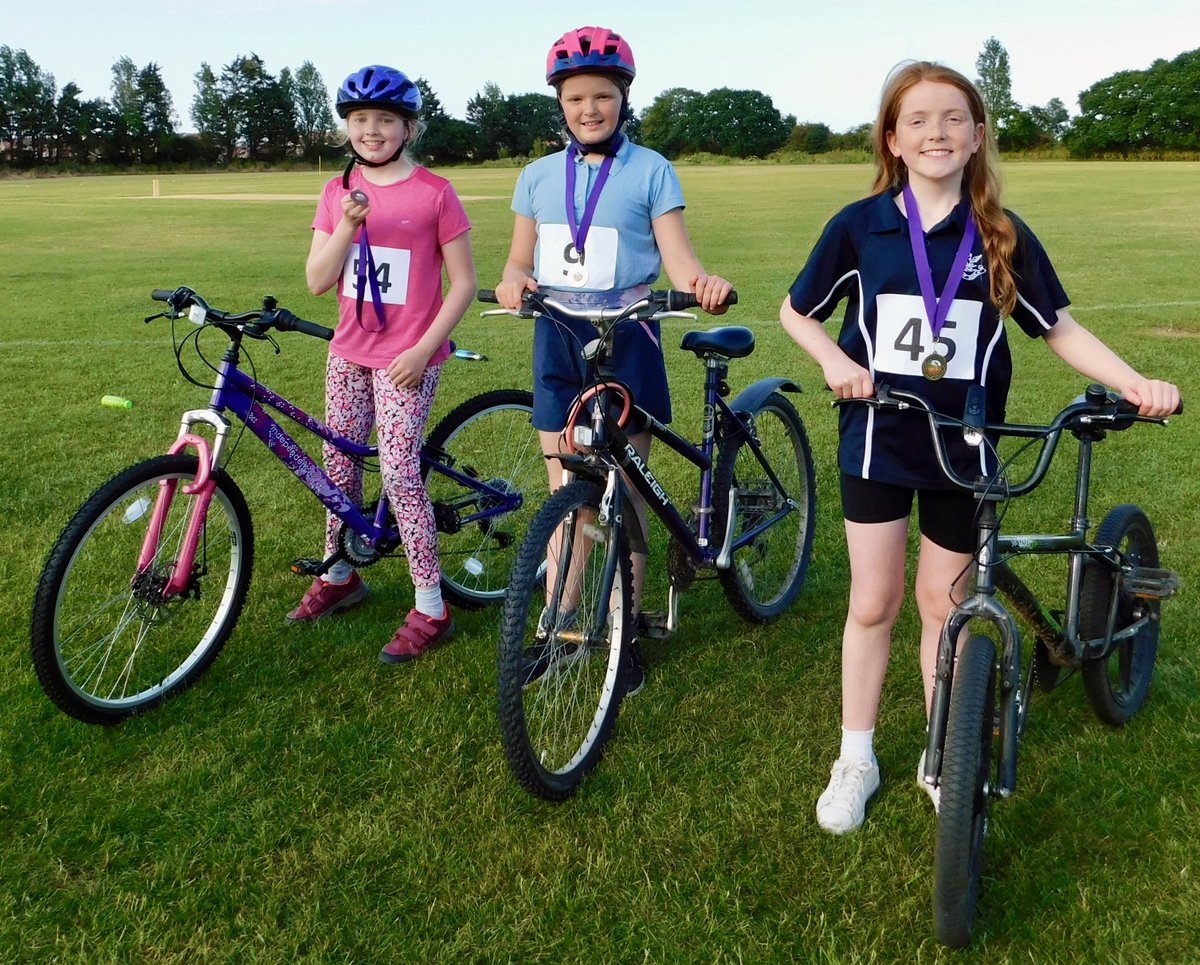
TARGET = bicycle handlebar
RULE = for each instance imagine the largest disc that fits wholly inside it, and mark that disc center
(256, 324)
(1097, 409)
(662, 300)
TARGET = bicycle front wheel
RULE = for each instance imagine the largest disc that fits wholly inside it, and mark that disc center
(490, 439)
(965, 792)
(1116, 685)
(107, 641)
(766, 573)
(563, 634)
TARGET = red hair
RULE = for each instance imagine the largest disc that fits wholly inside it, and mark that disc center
(979, 177)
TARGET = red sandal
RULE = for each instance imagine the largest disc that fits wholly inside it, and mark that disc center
(417, 634)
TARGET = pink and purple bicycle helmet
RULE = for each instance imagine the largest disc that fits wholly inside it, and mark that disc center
(589, 50)
(381, 88)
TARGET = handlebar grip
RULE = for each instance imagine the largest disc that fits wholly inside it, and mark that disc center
(679, 301)
(161, 294)
(285, 321)
(487, 295)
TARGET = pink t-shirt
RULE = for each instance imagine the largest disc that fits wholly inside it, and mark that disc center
(408, 224)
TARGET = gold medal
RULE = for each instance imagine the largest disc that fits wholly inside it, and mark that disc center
(933, 367)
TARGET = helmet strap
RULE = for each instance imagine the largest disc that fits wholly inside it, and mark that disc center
(357, 158)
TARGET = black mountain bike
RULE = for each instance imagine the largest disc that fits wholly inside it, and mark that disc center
(568, 618)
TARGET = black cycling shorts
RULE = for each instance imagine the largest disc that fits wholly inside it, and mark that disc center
(947, 517)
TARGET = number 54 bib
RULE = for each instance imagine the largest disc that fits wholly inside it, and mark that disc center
(903, 338)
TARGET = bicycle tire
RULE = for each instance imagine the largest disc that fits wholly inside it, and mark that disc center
(1116, 685)
(489, 437)
(766, 574)
(103, 645)
(558, 691)
(965, 800)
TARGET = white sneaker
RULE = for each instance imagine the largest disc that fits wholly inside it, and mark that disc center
(934, 793)
(843, 804)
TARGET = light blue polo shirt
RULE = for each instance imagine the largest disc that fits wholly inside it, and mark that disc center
(619, 251)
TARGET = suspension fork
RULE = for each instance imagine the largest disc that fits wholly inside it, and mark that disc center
(202, 487)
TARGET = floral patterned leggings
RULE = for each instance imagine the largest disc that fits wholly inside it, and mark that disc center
(358, 398)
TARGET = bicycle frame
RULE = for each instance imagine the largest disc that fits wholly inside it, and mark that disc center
(717, 411)
(245, 397)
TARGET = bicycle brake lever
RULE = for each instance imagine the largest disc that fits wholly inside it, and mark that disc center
(149, 318)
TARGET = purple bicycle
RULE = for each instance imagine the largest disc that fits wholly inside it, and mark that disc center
(147, 580)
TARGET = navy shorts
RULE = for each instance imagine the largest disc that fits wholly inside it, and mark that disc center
(559, 369)
(947, 517)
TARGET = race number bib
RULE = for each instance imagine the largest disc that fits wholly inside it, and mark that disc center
(561, 266)
(903, 339)
(391, 270)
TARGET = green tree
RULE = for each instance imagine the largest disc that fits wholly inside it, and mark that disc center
(809, 138)
(664, 125)
(1141, 110)
(157, 111)
(27, 107)
(995, 82)
(737, 123)
(447, 140)
(1053, 119)
(314, 117)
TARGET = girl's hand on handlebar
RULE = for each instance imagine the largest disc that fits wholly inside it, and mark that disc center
(711, 292)
(848, 379)
(1155, 399)
(509, 294)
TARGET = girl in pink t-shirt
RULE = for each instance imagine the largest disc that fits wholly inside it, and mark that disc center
(382, 234)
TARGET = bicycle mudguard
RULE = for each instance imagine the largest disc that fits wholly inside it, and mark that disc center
(751, 398)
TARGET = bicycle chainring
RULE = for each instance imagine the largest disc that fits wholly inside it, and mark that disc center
(356, 550)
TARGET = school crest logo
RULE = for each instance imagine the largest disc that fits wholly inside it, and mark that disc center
(975, 268)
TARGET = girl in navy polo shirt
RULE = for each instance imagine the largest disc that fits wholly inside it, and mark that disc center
(624, 227)
(929, 265)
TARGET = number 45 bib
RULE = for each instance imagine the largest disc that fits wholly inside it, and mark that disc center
(903, 338)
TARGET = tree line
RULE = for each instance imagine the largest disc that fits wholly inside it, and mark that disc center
(243, 111)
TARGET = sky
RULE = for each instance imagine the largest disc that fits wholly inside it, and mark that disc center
(821, 60)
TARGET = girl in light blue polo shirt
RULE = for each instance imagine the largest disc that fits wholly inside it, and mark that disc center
(624, 228)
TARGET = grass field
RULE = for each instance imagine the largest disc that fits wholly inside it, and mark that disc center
(306, 803)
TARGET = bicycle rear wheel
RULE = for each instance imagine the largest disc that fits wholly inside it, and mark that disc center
(965, 799)
(767, 573)
(489, 438)
(106, 642)
(561, 650)
(1116, 685)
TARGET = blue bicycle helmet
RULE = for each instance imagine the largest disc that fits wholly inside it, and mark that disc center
(382, 88)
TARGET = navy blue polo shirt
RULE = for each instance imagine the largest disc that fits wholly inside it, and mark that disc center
(864, 256)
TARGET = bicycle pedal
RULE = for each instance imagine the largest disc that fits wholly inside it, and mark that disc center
(307, 567)
(652, 624)
(1151, 583)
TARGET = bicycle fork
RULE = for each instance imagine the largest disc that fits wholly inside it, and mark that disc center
(981, 605)
(202, 488)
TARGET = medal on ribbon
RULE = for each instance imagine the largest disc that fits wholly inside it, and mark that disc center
(937, 307)
(577, 274)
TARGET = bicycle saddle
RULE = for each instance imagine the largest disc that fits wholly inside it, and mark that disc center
(731, 342)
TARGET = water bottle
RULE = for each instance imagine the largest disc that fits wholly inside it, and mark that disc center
(116, 402)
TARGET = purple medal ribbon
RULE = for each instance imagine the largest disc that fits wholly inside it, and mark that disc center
(366, 270)
(579, 229)
(936, 307)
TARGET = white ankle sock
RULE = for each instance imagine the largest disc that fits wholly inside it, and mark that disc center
(858, 745)
(338, 573)
(429, 601)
